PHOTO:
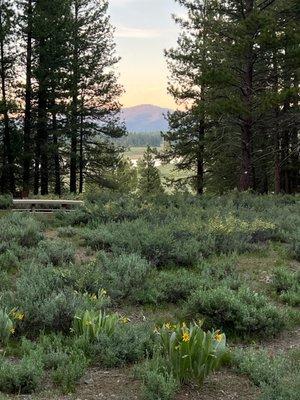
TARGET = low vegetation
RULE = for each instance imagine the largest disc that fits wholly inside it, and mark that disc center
(169, 284)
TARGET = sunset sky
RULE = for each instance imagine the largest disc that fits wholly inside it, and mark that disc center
(144, 28)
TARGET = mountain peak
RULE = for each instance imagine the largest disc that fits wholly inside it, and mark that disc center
(145, 118)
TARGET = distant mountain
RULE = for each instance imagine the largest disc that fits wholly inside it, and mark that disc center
(145, 118)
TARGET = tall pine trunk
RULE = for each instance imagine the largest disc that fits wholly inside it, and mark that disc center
(41, 179)
(247, 169)
(74, 108)
(57, 175)
(200, 161)
(81, 160)
(277, 167)
(8, 178)
(28, 94)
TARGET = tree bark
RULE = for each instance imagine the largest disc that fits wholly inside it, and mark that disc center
(41, 154)
(247, 171)
(57, 188)
(81, 160)
(8, 178)
(74, 109)
(28, 94)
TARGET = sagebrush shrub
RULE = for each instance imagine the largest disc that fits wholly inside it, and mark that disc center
(124, 276)
(55, 252)
(241, 312)
(129, 343)
(20, 229)
(176, 285)
(287, 285)
(158, 382)
(6, 202)
(68, 373)
(20, 378)
(46, 300)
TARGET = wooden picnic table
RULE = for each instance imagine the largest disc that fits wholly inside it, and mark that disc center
(44, 205)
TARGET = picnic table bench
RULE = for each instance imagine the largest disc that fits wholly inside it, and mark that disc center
(45, 206)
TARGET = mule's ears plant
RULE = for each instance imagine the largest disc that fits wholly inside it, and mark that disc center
(191, 353)
(7, 327)
(91, 324)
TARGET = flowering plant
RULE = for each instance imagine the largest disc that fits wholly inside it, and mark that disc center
(191, 352)
(6, 326)
(91, 324)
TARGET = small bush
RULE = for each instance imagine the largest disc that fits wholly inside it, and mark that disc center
(68, 373)
(22, 378)
(55, 252)
(46, 300)
(6, 202)
(175, 286)
(8, 261)
(20, 229)
(158, 382)
(242, 312)
(277, 376)
(125, 276)
(130, 343)
(287, 286)
(66, 232)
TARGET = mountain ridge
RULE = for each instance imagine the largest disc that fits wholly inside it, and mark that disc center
(145, 118)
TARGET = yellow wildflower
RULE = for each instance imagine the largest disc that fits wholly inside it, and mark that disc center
(156, 330)
(93, 297)
(18, 315)
(125, 320)
(218, 336)
(12, 330)
(168, 326)
(186, 337)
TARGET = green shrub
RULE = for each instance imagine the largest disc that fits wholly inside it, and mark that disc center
(130, 343)
(5, 281)
(175, 286)
(278, 376)
(259, 366)
(66, 232)
(242, 312)
(295, 247)
(46, 300)
(20, 229)
(124, 276)
(288, 389)
(158, 382)
(55, 252)
(68, 373)
(21, 378)
(8, 261)
(287, 286)
(6, 202)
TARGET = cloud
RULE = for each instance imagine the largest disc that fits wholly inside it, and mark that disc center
(138, 33)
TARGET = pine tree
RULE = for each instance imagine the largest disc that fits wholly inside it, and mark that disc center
(26, 26)
(94, 91)
(7, 70)
(51, 26)
(189, 64)
(149, 177)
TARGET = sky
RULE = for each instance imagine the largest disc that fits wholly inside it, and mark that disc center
(144, 28)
